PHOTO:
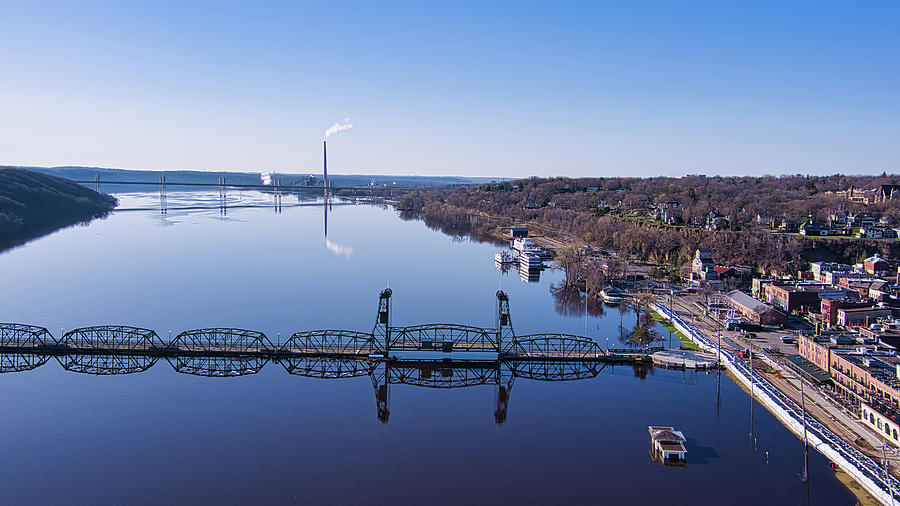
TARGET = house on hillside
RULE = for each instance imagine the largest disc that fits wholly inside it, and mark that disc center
(765, 220)
(861, 220)
(838, 219)
(876, 233)
(877, 265)
(815, 228)
(716, 221)
(788, 226)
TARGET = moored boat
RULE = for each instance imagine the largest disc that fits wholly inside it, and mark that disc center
(613, 295)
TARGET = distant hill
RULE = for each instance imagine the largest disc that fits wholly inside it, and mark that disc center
(34, 204)
(112, 176)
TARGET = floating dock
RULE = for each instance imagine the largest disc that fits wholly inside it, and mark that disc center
(684, 359)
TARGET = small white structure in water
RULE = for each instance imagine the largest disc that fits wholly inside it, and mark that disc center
(667, 443)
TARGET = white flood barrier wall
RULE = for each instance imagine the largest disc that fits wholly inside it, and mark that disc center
(858, 465)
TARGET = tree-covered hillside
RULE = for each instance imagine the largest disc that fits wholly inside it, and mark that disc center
(33, 204)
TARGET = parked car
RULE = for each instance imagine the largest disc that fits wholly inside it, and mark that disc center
(787, 339)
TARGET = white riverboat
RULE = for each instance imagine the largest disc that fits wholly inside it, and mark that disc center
(530, 260)
(613, 295)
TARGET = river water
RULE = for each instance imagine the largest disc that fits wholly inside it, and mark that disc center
(271, 437)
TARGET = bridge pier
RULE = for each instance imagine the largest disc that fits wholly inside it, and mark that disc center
(223, 197)
(163, 196)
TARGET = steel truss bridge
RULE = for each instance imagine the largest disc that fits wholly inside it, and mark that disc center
(327, 354)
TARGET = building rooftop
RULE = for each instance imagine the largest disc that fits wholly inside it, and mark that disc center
(665, 433)
(747, 301)
(808, 369)
(876, 258)
(863, 309)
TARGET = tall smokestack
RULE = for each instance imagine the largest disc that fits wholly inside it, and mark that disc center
(325, 163)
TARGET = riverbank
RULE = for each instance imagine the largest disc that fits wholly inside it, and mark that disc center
(686, 343)
(822, 433)
(34, 204)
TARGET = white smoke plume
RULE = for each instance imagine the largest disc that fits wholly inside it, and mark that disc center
(267, 178)
(338, 127)
(339, 249)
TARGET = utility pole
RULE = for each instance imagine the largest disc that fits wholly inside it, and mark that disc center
(719, 339)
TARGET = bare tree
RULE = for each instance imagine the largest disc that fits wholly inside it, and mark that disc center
(570, 260)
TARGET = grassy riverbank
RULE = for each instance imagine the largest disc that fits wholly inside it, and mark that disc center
(683, 339)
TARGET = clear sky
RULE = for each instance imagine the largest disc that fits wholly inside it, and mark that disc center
(482, 88)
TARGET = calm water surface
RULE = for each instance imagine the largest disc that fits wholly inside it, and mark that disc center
(161, 436)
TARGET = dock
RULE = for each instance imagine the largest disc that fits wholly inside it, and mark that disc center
(684, 359)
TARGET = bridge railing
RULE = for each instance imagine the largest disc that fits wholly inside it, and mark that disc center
(111, 338)
(20, 336)
(556, 346)
(223, 340)
(331, 342)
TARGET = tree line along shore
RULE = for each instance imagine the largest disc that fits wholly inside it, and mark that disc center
(632, 216)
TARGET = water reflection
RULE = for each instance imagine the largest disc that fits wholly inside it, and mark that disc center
(526, 274)
(459, 226)
(190, 431)
(529, 275)
(338, 249)
(429, 373)
(572, 301)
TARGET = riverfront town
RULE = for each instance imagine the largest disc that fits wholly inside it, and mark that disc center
(814, 310)
(580, 252)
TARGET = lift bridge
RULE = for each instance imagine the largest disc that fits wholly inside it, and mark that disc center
(327, 354)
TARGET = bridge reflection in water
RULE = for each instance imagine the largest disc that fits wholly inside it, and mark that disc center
(327, 354)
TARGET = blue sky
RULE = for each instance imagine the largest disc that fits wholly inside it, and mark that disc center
(481, 88)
